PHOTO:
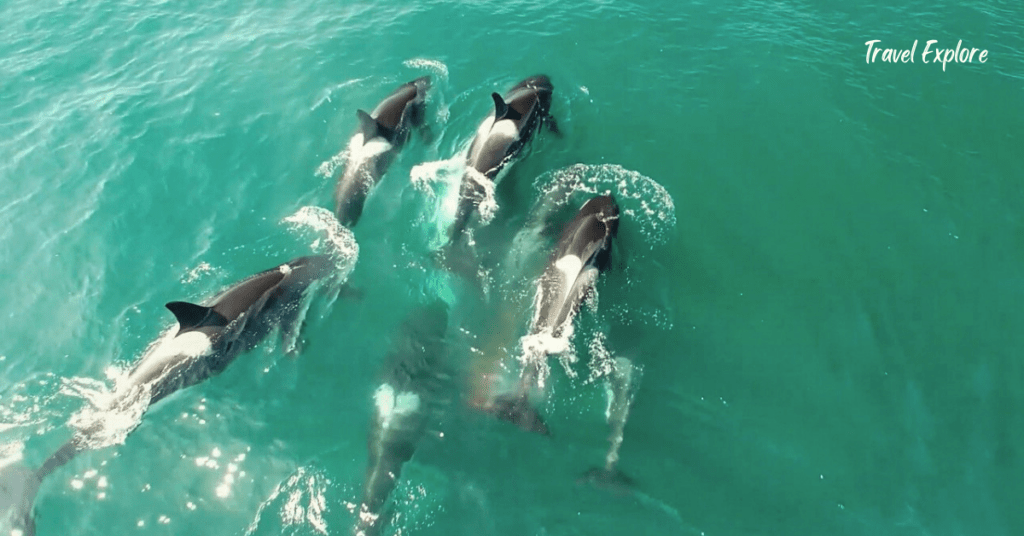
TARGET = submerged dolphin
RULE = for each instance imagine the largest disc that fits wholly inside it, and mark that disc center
(403, 404)
(499, 139)
(620, 388)
(582, 252)
(207, 340)
(374, 146)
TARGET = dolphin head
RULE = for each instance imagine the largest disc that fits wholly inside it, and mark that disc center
(537, 82)
(605, 210)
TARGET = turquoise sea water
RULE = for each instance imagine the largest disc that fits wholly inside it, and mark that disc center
(824, 293)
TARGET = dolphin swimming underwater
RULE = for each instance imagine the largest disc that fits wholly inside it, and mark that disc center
(207, 340)
(499, 139)
(403, 404)
(374, 146)
(620, 388)
(582, 253)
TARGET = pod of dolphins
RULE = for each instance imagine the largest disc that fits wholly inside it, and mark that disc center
(209, 337)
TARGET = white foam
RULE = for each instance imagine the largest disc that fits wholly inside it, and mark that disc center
(440, 181)
(438, 173)
(434, 66)
(342, 243)
(647, 204)
(329, 167)
(488, 206)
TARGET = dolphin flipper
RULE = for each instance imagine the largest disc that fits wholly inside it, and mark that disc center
(552, 125)
(516, 409)
(18, 488)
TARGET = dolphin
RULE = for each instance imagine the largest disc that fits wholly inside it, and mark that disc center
(499, 139)
(208, 338)
(375, 145)
(620, 389)
(403, 405)
(583, 251)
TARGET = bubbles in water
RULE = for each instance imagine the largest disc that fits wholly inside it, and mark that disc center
(436, 67)
(649, 316)
(601, 361)
(194, 274)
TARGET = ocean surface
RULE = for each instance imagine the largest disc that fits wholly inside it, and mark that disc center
(819, 270)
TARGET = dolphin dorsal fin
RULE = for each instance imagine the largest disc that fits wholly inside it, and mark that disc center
(191, 316)
(371, 128)
(503, 111)
(367, 125)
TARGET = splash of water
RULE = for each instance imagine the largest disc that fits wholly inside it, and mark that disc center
(645, 203)
(329, 168)
(325, 95)
(440, 181)
(488, 205)
(305, 502)
(338, 242)
(436, 67)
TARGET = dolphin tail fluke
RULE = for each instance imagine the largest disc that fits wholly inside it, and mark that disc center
(18, 488)
(516, 409)
(608, 478)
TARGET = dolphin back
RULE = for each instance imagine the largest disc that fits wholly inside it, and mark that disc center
(404, 107)
(241, 296)
(583, 251)
(403, 403)
(391, 120)
(279, 304)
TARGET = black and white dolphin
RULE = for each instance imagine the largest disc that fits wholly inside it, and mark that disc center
(207, 339)
(375, 145)
(582, 252)
(403, 405)
(499, 139)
